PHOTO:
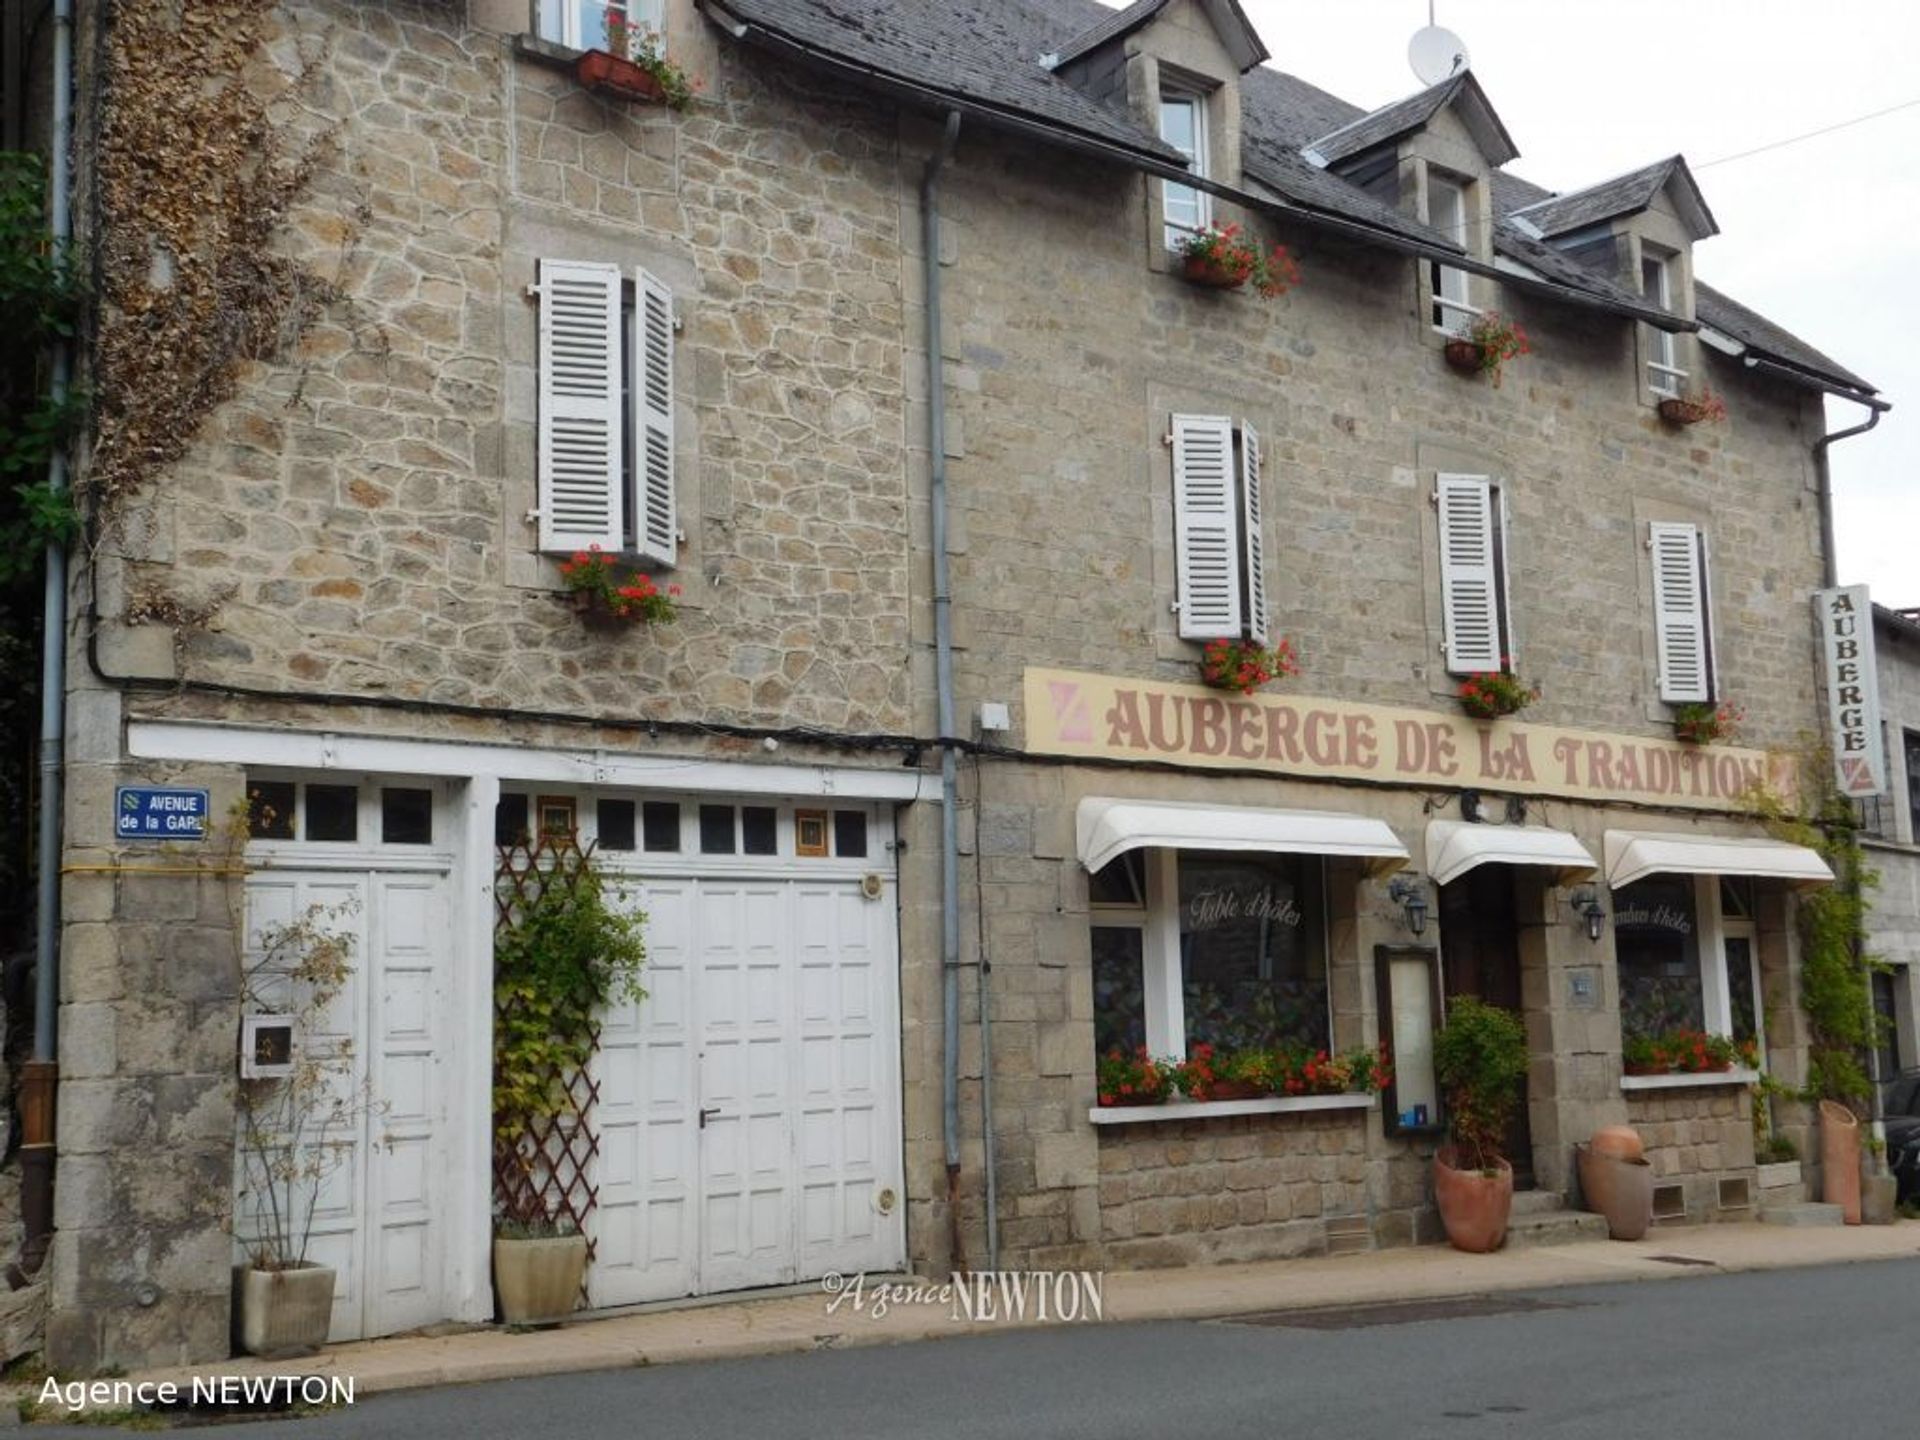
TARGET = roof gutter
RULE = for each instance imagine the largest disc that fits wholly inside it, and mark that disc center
(1147, 163)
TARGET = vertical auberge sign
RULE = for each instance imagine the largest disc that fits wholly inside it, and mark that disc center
(1845, 617)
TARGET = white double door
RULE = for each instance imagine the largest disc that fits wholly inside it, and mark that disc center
(749, 1107)
(380, 1214)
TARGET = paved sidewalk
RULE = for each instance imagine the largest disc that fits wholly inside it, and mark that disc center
(803, 1322)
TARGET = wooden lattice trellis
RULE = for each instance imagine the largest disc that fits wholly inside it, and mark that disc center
(541, 1170)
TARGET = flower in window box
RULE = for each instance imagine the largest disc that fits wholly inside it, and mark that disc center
(1491, 340)
(1700, 405)
(1235, 1075)
(1136, 1079)
(1704, 723)
(1223, 258)
(600, 591)
(632, 67)
(1493, 693)
(1243, 666)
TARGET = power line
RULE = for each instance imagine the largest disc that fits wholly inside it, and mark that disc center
(1809, 134)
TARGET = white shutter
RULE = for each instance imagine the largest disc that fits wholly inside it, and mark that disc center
(580, 411)
(1205, 527)
(1680, 612)
(655, 532)
(1253, 534)
(1469, 573)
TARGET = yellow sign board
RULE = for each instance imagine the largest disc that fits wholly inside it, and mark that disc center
(1118, 718)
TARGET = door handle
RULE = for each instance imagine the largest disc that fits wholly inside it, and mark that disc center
(708, 1114)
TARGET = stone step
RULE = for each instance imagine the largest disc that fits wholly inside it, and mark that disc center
(1554, 1227)
(1533, 1202)
(1807, 1212)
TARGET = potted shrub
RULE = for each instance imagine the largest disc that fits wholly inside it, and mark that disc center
(565, 954)
(1242, 666)
(1489, 342)
(1704, 723)
(1222, 257)
(1480, 1060)
(1691, 409)
(632, 67)
(1494, 693)
(1136, 1079)
(601, 592)
(299, 1116)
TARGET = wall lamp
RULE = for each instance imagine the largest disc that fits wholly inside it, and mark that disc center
(1587, 905)
(1410, 892)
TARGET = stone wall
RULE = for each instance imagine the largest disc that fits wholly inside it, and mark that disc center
(1697, 1138)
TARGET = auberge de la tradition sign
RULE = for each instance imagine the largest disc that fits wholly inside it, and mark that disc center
(1117, 718)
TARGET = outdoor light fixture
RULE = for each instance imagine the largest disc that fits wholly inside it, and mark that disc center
(1410, 892)
(1587, 904)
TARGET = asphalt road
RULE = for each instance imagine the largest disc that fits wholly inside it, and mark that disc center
(1786, 1353)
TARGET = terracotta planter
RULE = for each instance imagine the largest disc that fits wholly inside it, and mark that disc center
(1840, 1160)
(1618, 1142)
(1204, 272)
(1125, 1102)
(613, 75)
(1682, 412)
(1465, 356)
(1473, 1206)
(285, 1312)
(537, 1282)
(1618, 1187)
(1234, 1090)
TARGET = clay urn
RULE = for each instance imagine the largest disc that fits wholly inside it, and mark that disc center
(1618, 1187)
(1474, 1205)
(1840, 1160)
(1619, 1142)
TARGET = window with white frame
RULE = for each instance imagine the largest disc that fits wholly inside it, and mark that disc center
(605, 443)
(1688, 959)
(1447, 213)
(1219, 534)
(1197, 947)
(1664, 375)
(1475, 606)
(1183, 125)
(1682, 617)
(589, 24)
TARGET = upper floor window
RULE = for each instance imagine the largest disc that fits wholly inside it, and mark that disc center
(597, 24)
(1664, 375)
(1447, 213)
(1474, 600)
(1219, 539)
(1682, 621)
(1183, 125)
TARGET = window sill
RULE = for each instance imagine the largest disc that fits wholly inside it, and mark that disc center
(1211, 1109)
(1690, 1081)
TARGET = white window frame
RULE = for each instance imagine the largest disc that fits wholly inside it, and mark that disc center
(1196, 103)
(1451, 285)
(563, 21)
(1665, 378)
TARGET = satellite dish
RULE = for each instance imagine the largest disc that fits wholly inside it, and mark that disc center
(1436, 54)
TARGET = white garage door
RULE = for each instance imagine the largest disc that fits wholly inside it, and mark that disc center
(378, 1220)
(749, 1105)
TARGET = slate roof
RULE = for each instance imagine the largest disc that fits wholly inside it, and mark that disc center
(1623, 195)
(987, 53)
(1401, 117)
(1118, 23)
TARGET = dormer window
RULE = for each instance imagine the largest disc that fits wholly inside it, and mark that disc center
(1447, 213)
(589, 24)
(1183, 125)
(1664, 375)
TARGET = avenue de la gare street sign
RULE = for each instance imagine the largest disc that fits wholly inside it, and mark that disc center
(156, 812)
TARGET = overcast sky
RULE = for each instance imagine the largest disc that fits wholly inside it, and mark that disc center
(1822, 236)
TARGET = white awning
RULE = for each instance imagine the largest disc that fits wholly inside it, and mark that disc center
(1105, 829)
(1635, 854)
(1455, 847)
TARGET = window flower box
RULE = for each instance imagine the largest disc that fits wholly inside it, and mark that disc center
(1221, 257)
(1704, 723)
(603, 597)
(1491, 340)
(617, 76)
(633, 67)
(1496, 693)
(1243, 666)
(1693, 409)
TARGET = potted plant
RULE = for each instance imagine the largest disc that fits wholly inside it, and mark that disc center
(601, 593)
(632, 67)
(1642, 1056)
(1489, 342)
(1491, 694)
(1704, 723)
(1691, 409)
(1136, 1079)
(1222, 257)
(1480, 1060)
(1243, 666)
(300, 1113)
(564, 954)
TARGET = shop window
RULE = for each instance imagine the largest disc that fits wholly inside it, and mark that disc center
(716, 830)
(1119, 1001)
(1121, 883)
(406, 816)
(1688, 958)
(759, 830)
(850, 834)
(660, 827)
(510, 823)
(614, 820)
(270, 809)
(333, 813)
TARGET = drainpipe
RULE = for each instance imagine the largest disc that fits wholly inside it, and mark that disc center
(943, 685)
(40, 1074)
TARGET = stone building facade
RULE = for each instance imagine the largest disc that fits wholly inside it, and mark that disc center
(1890, 831)
(369, 527)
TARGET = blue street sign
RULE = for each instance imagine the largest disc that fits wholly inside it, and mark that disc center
(147, 812)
